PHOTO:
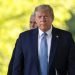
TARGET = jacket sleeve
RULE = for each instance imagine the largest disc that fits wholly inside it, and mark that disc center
(71, 67)
(10, 67)
(18, 61)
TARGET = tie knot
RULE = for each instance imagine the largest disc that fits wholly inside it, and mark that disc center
(44, 34)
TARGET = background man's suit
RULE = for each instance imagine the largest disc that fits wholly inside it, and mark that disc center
(62, 55)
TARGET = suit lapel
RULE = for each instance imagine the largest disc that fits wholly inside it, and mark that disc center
(54, 42)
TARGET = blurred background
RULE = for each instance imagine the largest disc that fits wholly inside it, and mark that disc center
(14, 19)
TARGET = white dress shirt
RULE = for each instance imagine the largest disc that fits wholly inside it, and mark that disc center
(49, 37)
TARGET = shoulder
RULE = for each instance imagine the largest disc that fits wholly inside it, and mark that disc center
(27, 33)
(61, 32)
(64, 35)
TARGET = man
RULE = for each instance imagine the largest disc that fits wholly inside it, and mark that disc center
(32, 22)
(32, 26)
(45, 50)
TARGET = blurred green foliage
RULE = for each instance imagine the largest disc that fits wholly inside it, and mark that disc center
(14, 18)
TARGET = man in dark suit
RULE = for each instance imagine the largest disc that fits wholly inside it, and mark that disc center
(29, 55)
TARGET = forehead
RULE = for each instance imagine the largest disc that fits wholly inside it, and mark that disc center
(32, 18)
(38, 13)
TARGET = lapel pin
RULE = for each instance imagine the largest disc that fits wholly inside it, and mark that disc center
(57, 36)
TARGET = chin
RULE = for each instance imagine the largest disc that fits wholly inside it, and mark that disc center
(43, 29)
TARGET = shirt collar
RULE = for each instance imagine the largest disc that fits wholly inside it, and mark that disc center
(49, 32)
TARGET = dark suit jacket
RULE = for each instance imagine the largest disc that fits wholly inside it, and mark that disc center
(62, 55)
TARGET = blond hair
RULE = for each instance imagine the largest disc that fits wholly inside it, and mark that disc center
(45, 7)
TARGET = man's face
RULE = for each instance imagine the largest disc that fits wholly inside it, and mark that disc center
(43, 20)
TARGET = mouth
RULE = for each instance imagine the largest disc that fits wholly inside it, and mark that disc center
(42, 22)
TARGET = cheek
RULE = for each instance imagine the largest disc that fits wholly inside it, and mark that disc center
(50, 21)
(36, 20)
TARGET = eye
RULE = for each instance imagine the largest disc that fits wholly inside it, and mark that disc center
(45, 16)
(39, 16)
